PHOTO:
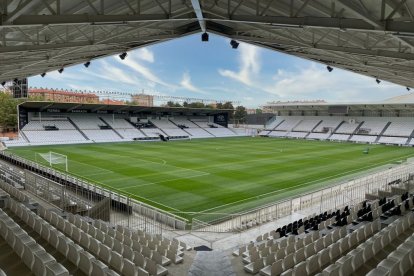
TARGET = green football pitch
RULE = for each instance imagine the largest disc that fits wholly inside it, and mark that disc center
(218, 175)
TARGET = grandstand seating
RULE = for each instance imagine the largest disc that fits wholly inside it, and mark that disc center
(36, 134)
(328, 123)
(274, 122)
(393, 140)
(363, 138)
(306, 125)
(318, 136)
(191, 128)
(348, 241)
(91, 125)
(49, 244)
(295, 134)
(124, 128)
(169, 128)
(400, 128)
(277, 134)
(372, 126)
(339, 137)
(347, 128)
(289, 123)
(152, 132)
(388, 130)
(214, 129)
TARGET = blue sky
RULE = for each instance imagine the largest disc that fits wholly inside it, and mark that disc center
(213, 70)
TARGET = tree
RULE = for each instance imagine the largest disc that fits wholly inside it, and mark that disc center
(8, 111)
(240, 114)
(259, 111)
(196, 105)
(170, 104)
(227, 105)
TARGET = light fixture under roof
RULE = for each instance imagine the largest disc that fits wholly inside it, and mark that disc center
(234, 44)
(204, 37)
(329, 68)
(123, 55)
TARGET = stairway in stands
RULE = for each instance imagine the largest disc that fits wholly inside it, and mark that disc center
(78, 129)
(356, 130)
(382, 132)
(114, 130)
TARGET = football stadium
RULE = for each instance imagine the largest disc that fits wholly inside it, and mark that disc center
(103, 184)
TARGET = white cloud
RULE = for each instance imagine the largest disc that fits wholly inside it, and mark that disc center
(315, 82)
(186, 83)
(249, 67)
(112, 73)
(132, 61)
(144, 54)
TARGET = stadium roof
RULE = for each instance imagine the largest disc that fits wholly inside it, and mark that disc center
(402, 99)
(352, 106)
(68, 107)
(370, 37)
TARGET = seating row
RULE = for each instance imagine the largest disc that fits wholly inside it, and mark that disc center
(34, 256)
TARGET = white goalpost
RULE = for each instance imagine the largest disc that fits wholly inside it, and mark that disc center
(53, 158)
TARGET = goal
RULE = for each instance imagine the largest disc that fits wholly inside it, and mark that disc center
(53, 159)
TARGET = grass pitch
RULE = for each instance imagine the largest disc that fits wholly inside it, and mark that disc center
(221, 174)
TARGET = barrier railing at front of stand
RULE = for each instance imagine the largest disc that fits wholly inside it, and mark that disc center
(330, 198)
(125, 210)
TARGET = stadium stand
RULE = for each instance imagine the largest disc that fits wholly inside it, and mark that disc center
(393, 140)
(363, 138)
(374, 237)
(339, 137)
(191, 128)
(400, 128)
(124, 128)
(372, 126)
(328, 124)
(212, 128)
(95, 128)
(307, 125)
(347, 127)
(288, 124)
(51, 243)
(169, 128)
(51, 131)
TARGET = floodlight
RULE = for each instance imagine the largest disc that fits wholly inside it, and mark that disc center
(234, 44)
(43, 75)
(377, 80)
(123, 55)
(3, 83)
(60, 70)
(329, 68)
(408, 88)
(204, 37)
(86, 64)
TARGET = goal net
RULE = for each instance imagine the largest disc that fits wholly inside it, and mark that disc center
(53, 159)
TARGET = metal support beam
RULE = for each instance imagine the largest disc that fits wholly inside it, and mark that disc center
(34, 20)
(199, 14)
